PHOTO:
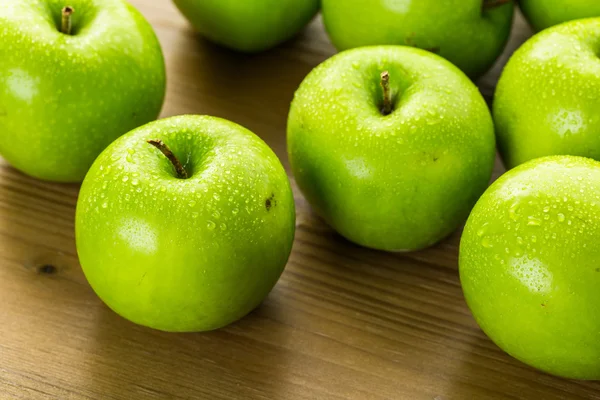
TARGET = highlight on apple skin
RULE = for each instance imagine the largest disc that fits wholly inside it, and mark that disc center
(71, 84)
(248, 26)
(547, 101)
(395, 176)
(469, 33)
(529, 265)
(185, 224)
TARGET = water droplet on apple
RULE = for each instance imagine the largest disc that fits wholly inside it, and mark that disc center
(104, 205)
(482, 230)
(518, 253)
(223, 226)
(533, 221)
(135, 182)
(194, 214)
(210, 225)
(512, 211)
(561, 217)
(487, 243)
(125, 178)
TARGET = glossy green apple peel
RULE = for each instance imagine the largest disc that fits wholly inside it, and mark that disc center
(469, 33)
(547, 100)
(401, 181)
(529, 265)
(248, 26)
(543, 14)
(73, 77)
(185, 254)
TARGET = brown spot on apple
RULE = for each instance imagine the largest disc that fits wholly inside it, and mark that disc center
(270, 202)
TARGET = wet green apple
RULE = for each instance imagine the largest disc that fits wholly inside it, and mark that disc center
(248, 26)
(469, 33)
(529, 265)
(391, 145)
(543, 14)
(69, 88)
(548, 96)
(189, 235)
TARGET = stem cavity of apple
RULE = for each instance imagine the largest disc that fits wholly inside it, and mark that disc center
(387, 107)
(179, 169)
(66, 26)
(487, 4)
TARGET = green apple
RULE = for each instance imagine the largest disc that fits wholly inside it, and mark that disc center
(70, 84)
(248, 26)
(469, 33)
(548, 98)
(529, 264)
(391, 145)
(189, 240)
(542, 14)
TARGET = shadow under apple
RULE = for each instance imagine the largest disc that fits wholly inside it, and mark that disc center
(495, 375)
(241, 361)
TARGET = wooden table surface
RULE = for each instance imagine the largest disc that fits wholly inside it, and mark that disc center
(342, 323)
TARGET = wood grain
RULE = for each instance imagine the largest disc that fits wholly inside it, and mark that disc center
(343, 322)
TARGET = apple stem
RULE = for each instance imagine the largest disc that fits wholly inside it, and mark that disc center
(487, 4)
(159, 144)
(66, 25)
(386, 109)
